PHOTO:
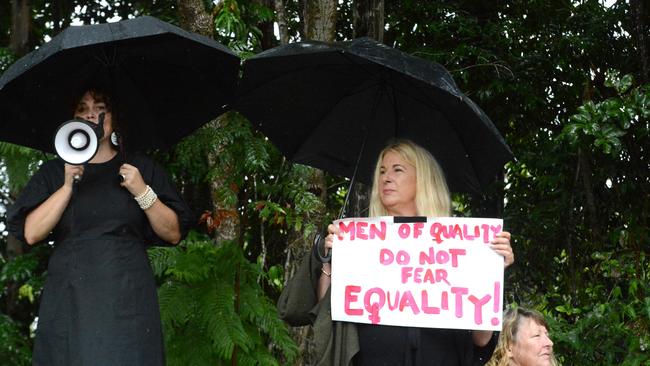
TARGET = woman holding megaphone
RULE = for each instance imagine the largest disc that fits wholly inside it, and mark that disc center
(99, 304)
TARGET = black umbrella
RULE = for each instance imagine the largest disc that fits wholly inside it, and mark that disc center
(334, 106)
(167, 82)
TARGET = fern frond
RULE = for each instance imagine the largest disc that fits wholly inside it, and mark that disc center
(176, 303)
(161, 259)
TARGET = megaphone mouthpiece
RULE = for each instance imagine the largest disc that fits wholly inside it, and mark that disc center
(79, 140)
(76, 141)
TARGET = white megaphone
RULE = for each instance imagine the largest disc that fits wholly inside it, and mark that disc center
(77, 140)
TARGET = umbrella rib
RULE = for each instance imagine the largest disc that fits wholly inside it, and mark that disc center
(363, 147)
(373, 113)
(104, 59)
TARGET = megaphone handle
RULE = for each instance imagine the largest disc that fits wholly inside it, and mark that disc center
(75, 182)
(77, 178)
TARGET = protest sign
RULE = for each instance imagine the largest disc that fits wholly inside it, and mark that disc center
(439, 273)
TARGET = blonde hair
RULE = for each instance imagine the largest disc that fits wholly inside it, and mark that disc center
(432, 195)
(512, 320)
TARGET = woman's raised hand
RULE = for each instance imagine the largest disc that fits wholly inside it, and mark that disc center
(132, 180)
(72, 173)
(332, 230)
(501, 244)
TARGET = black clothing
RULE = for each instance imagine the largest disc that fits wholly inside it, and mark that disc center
(391, 345)
(99, 304)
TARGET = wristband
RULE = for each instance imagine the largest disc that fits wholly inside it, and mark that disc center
(328, 274)
(147, 199)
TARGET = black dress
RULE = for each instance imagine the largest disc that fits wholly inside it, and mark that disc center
(99, 304)
(406, 346)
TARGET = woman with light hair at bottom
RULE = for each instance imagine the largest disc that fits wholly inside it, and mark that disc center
(524, 341)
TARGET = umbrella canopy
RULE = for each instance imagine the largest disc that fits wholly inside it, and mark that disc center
(334, 106)
(166, 82)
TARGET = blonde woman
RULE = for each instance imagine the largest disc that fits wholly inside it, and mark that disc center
(407, 182)
(524, 341)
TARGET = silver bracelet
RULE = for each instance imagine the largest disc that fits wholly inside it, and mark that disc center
(147, 199)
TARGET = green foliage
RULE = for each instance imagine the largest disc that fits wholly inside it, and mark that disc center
(6, 59)
(21, 279)
(211, 303)
(603, 124)
(236, 23)
(275, 201)
(296, 206)
(20, 163)
(611, 325)
(19, 269)
(25, 272)
(15, 350)
(255, 178)
(601, 301)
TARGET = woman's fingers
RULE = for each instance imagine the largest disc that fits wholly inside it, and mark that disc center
(132, 179)
(501, 245)
(329, 239)
(73, 172)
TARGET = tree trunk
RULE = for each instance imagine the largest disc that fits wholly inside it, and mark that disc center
(61, 11)
(21, 24)
(319, 20)
(369, 19)
(19, 44)
(592, 212)
(319, 24)
(194, 18)
(268, 36)
(641, 36)
(227, 218)
(281, 17)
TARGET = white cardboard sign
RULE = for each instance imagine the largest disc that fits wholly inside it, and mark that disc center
(440, 273)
